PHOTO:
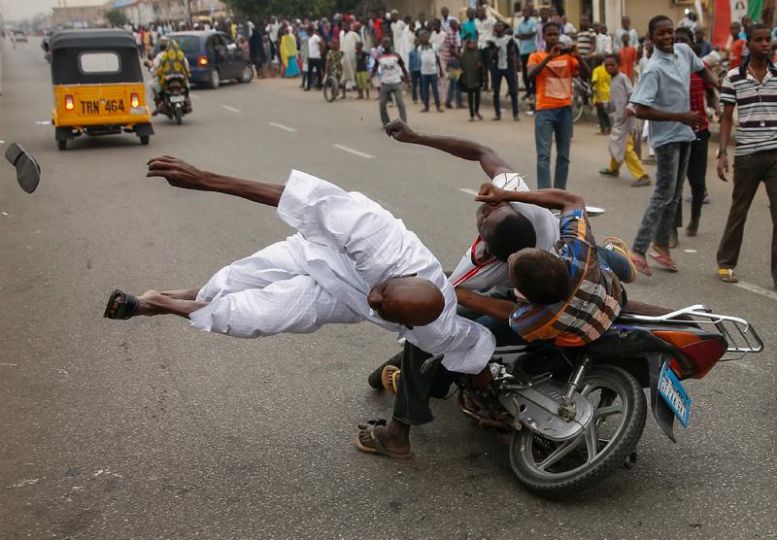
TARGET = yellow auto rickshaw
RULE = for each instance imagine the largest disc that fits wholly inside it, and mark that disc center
(98, 85)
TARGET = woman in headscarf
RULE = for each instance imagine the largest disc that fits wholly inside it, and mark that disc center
(289, 54)
(256, 48)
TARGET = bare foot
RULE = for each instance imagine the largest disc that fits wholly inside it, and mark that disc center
(394, 437)
(181, 294)
(148, 303)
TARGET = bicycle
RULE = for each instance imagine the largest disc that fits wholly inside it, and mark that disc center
(331, 88)
(581, 99)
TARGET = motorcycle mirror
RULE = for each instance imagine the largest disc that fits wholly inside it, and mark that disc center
(27, 168)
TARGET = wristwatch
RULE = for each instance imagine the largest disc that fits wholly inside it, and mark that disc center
(720, 153)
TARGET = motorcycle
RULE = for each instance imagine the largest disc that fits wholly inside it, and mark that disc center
(576, 414)
(175, 102)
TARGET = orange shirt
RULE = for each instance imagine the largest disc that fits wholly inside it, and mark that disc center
(554, 82)
(628, 56)
(735, 53)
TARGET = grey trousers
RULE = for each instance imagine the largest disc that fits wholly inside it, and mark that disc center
(659, 218)
(386, 90)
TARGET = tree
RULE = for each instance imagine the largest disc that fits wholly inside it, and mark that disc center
(116, 17)
(261, 9)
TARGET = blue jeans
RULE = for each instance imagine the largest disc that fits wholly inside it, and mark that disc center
(454, 90)
(415, 82)
(512, 87)
(548, 122)
(659, 218)
(426, 82)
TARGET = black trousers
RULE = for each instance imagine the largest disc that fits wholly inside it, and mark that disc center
(411, 404)
(697, 172)
(314, 64)
(496, 83)
(485, 58)
(473, 99)
(528, 84)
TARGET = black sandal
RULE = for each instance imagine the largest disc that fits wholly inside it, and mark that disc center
(126, 308)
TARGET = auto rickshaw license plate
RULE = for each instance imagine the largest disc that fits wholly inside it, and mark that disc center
(95, 107)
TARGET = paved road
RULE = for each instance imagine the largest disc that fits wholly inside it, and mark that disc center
(146, 429)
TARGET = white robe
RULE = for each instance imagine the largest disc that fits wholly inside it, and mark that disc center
(348, 46)
(345, 244)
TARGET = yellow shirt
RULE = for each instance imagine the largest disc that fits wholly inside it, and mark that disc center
(600, 80)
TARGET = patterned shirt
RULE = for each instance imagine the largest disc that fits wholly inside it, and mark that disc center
(595, 295)
(757, 108)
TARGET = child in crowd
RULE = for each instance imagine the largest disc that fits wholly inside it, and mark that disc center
(624, 126)
(431, 72)
(414, 61)
(471, 79)
(362, 71)
(628, 57)
(600, 81)
(334, 65)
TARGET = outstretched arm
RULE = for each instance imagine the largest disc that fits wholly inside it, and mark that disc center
(547, 198)
(493, 307)
(180, 174)
(491, 163)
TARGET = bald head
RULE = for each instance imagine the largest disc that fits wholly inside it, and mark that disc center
(410, 301)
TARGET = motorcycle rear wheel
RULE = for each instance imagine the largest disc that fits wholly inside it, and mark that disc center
(578, 463)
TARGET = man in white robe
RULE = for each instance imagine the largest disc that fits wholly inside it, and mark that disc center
(348, 45)
(350, 261)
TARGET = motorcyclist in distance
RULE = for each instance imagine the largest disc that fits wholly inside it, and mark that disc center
(169, 63)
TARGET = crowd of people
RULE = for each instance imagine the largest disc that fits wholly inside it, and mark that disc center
(540, 55)
(442, 59)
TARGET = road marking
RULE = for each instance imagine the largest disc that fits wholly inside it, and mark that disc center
(281, 126)
(232, 109)
(352, 151)
(468, 191)
(757, 290)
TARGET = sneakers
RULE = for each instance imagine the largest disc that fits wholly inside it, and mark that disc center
(641, 182)
(613, 243)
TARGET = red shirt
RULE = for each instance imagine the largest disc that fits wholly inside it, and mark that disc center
(698, 102)
(735, 54)
(628, 56)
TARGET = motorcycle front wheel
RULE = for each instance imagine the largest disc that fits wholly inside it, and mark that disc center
(178, 115)
(555, 469)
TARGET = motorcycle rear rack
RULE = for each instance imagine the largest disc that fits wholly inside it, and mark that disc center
(739, 334)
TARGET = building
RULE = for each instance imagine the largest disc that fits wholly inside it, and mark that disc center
(145, 12)
(608, 12)
(78, 16)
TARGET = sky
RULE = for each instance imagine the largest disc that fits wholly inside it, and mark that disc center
(15, 10)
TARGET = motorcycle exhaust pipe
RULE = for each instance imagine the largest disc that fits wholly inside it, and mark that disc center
(631, 460)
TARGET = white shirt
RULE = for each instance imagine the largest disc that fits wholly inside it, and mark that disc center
(344, 246)
(485, 30)
(477, 272)
(314, 47)
(428, 58)
(390, 71)
(603, 44)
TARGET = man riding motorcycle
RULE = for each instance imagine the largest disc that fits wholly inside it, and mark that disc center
(169, 64)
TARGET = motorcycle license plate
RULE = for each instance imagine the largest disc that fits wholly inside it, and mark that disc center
(671, 389)
(177, 99)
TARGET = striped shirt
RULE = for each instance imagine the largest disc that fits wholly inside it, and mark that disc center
(595, 292)
(756, 107)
